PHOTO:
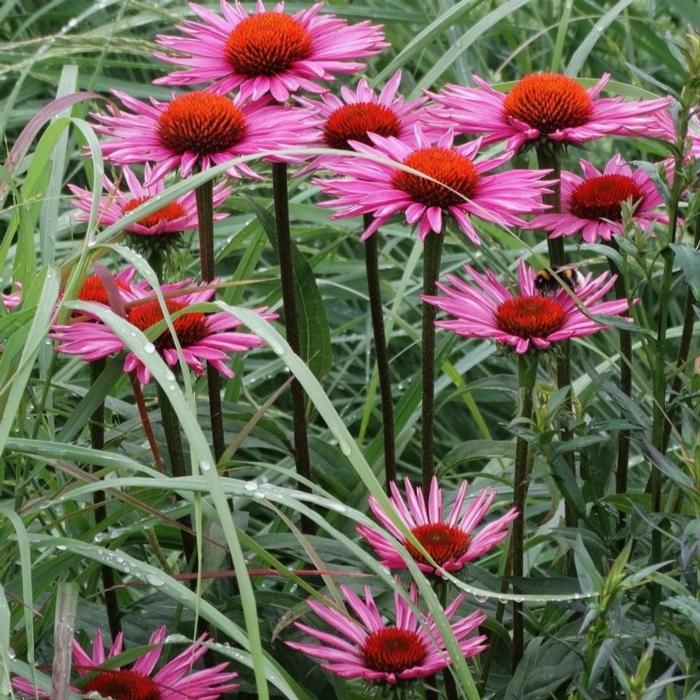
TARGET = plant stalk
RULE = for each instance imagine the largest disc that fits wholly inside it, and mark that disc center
(173, 439)
(291, 324)
(97, 442)
(432, 254)
(623, 438)
(381, 353)
(205, 219)
(549, 157)
(527, 375)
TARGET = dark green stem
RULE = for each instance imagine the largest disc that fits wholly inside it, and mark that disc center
(97, 442)
(432, 253)
(381, 352)
(205, 219)
(173, 439)
(291, 324)
(683, 347)
(549, 157)
(527, 374)
(623, 438)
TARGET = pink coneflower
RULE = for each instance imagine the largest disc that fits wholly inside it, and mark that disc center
(356, 114)
(203, 337)
(462, 188)
(549, 106)
(199, 129)
(177, 216)
(174, 681)
(488, 309)
(13, 299)
(592, 204)
(378, 652)
(267, 51)
(448, 538)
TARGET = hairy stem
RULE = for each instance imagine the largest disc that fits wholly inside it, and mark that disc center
(527, 374)
(381, 353)
(97, 442)
(432, 253)
(549, 157)
(291, 324)
(205, 219)
(146, 422)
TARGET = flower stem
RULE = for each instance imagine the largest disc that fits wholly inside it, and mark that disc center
(432, 253)
(171, 428)
(381, 353)
(683, 346)
(549, 157)
(527, 374)
(623, 439)
(291, 324)
(146, 422)
(205, 219)
(97, 442)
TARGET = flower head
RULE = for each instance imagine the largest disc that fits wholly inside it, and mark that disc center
(455, 185)
(356, 114)
(13, 299)
(592, 204)
(378, 652)
(449, 538)
(267, 51)
(177, 216)
(199, 130)
(203, 337)
(488, 309)
(174, 681)
(549, 106)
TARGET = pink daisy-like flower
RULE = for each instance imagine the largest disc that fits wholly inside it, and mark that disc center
(358, 113)
(459, 186)
(549, 106)
(448, 538)
(267, 51)
(489, 309)
(13, 299)
(203, 337)
(198, 130)
(592, 204)
(177, 216)
(174, 681)
(378, 652)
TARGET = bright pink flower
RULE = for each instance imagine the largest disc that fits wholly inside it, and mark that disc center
(12, 300)
(177, 216)
(174, 681)
(592, 204)
(489, 309)
(551, 106)
(448, 538)
(356, 114)
(370, 649)
(200, 129)
(461, 189)
(267, 51)
(203, 337)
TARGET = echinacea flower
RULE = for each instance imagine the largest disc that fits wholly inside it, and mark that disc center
(592, 204)
(458, 185)
(197, 130)
(204, 337)
(380, 652)
(177, 216)
(549, 106)
(356, 114)
(267, 51)
(488, 309)
(449, 538)
(176, 680)
(13, 299)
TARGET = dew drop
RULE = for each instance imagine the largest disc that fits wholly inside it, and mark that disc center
(205, 466)
(61, 547)
(345, 449)
(155, 580)
(503, 601)
(481, 598)
(169, 376)
(11, 653)
(251, 486)
(149, 348)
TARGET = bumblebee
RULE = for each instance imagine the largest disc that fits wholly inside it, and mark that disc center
(547, 284)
